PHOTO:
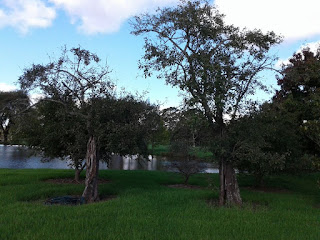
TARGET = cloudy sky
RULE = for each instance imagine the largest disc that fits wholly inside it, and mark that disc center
(32, 30)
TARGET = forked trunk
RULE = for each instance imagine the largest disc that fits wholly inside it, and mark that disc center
(78, 171)
(229, 189)
(90, 193)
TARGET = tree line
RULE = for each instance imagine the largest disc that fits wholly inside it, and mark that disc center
(217, 66)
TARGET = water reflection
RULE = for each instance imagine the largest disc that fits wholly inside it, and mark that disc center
(18, 157)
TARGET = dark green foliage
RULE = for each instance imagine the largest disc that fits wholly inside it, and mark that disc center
(124, 124)
(12, 104)
(259, 143)
(51, 129)
(187, 125)
(299, 99)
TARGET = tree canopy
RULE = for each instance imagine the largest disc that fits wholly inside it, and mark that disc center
(299, 97)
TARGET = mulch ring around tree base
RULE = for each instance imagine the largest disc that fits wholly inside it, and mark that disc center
(74, 200)
(72, 181)
(185, 186)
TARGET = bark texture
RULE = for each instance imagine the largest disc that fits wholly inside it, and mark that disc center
(90, 193)
(229, 188)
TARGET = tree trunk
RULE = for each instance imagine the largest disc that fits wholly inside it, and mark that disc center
(90, 193)
(78, 170)
(5, 132)
(77, 174)
(229, 189)
(186, 179)
(193, 139)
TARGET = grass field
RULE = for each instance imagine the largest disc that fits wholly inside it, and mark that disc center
(164, 150)
(145, 208)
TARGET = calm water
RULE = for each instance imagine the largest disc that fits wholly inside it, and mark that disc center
(22, 157)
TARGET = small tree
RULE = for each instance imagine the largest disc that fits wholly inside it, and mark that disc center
(259, 143)
(218, 65)
(184, 160)
(11, 105)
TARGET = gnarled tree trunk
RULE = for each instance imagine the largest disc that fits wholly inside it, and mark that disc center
(90, 193)
(229, 188)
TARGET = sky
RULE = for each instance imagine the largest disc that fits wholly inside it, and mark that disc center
(33, 30)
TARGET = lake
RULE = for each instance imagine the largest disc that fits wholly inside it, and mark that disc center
(17, 157)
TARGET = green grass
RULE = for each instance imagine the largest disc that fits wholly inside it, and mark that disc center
(145, 208)
(158, 150)
(164, 150)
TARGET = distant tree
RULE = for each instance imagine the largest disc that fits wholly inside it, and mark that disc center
(170, 117)
(184, 160)
(311, 130)
(125, 124)
(11, 106)
(299, 97)
(192, 127)
(262, 142)
(300, 78)
(192, 48)
(157, 133)
(188, 124)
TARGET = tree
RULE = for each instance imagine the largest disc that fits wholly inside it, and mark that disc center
(261, 142)
(184, 160)
(71, 81)
(188, 125)
(11, 105)
(299, 97)
(191, 47)
(82, 117)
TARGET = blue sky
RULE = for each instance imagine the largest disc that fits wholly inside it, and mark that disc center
(31, 30)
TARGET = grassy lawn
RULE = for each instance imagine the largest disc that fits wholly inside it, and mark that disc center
(145, 208)
(164, 150)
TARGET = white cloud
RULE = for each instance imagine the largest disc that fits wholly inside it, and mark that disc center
(26, 14)
(4, 87)
(106, 16)
(292, 19)
(35, 97)
(313, 46)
